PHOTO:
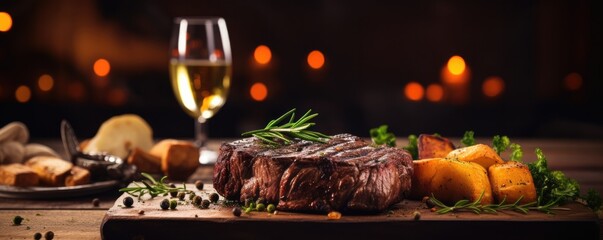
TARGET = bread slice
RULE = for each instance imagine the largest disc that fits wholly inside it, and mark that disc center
(77, 176)
(51, 170)
(179, 159)
(19, 175)
(144, 161)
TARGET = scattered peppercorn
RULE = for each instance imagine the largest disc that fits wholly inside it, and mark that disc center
(191, 196)
(197, 200)
(95, 202)
(17, 220)
(214, 197)
(416, 215)
(199, 184)
(37, 236)
(141, 212)
(260, 207)
(173, 204)
(205, 204)
(128, 201)
(236, 211)
(433, 209)
(181, 195)
(49, 235)
(270, 208)
(165, 204)
(428, 202)
(260, 200)
(173, 193)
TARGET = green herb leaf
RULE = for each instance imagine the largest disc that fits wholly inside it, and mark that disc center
(412, 146)
(468, 139)
(500, 144)
(516, 152)
(381, 136)
(152, 187)
(593, 200)
(552, 187)
(275, 134)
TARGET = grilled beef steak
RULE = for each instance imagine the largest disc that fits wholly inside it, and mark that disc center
(345, 174)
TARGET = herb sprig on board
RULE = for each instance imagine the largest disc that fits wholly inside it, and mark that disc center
(477, 207)
(152, 187)
(275, 134)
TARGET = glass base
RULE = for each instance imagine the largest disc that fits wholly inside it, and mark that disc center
(207, 156)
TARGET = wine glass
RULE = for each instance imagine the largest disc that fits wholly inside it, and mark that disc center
(200, 71)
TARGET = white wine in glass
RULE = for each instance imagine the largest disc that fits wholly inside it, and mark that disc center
(200, 71)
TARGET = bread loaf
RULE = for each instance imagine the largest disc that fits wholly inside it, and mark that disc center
(77, 176)
(179, 159)
(19, 175)
(51, 170)
(144, 161)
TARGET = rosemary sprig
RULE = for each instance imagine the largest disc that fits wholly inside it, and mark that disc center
(152, 187)
(477, 207)
(275, 134)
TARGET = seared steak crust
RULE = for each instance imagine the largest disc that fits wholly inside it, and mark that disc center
(346, 174)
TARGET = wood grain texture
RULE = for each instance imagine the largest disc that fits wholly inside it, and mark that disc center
(66, 224)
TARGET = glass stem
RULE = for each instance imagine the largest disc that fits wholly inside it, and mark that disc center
(200, 132)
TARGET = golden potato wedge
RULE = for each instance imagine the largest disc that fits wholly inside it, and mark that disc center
(432, 146)
(510, 181)
(481, 154)
(450, 180)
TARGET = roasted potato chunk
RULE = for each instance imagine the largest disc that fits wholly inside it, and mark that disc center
(450, 180)
(479, 153)
(432, 146)
(510, 181)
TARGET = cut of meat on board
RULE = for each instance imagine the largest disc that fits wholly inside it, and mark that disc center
(345, 174)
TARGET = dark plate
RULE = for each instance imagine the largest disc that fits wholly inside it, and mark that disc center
(56, 192)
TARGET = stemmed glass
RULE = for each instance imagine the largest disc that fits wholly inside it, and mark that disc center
(200, 71)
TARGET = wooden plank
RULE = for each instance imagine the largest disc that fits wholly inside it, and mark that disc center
(66, 224)
(218, 221)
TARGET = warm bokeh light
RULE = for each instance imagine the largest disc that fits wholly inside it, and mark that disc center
(316, 59)
(262, 54)
(102, 67)
(258, 92)
(117, 97)
(573, 81)
(45, 82)
(414, 91)
(435, 92)
(493, 86)
(76, 90)
(6, 22)
(456, 65)
(23, 94)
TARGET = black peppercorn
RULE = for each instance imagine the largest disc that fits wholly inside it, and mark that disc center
(205, 204)
(416, 215)
(95, 202)
(181, 195)
(37, 236)
(165, 204)
(173, 193)
(236, 211)
(128, 201)
(17, 220)
(199, 184)
(49, 235)
(214, 197)
(197, 200)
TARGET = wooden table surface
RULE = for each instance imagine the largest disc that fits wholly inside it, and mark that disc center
(77, 218)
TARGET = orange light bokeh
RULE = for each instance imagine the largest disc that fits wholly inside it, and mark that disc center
(493, 86)
(456, 65)
(45, 82)
(262, 54)
(451, 79)
(6, 22)
(435, 92)
(258, 91)
(414, 91)
(23, 94)
(102, 67)
(573, 81)
(316, 59)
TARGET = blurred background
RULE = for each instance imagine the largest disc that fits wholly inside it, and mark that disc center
(521, 68)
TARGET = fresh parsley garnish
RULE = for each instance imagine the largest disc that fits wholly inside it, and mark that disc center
(381, 136)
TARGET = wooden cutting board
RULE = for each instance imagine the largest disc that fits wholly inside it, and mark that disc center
(218, 222)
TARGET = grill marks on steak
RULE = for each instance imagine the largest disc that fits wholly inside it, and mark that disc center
(345, 174)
